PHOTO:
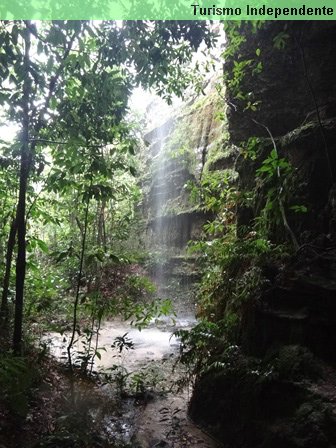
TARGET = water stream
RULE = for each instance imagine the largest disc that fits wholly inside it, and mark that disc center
(159, 418)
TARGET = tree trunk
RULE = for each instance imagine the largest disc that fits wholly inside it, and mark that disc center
(9, 257)
(21, 207)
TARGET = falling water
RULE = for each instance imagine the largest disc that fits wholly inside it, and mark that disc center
(162, 192)
(168, 229)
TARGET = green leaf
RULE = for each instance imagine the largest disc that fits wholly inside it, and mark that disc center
(264, 169)
(42, 245)
(53, 103)
(299, 208)
(40, 47)
(131, 150)
(50, 64)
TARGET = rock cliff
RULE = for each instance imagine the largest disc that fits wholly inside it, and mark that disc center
(274, 390)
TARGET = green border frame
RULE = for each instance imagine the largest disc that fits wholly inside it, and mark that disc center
(168, 9)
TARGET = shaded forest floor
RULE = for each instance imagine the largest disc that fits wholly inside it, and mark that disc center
(75, 411)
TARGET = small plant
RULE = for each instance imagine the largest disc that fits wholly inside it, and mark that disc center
(281, 40)
(295, 362)
(122, 343)
(197, 346)
(148, 379)
(138, 382)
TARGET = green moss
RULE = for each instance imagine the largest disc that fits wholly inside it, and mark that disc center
(204, 101)
(220, 154)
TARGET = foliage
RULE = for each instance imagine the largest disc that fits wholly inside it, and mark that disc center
(197, 347)
(123, 343)
(280, 40)
(147, 380)
(131, 298)
(205, 350)
(274, 175)
(233, 276)
(138, 382)
(235, 268)
(241, 68)
(159, 51)
(68, 182)
(170, 416)
(293, 362)
(276, 188)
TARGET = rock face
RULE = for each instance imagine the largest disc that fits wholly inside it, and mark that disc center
(296, 90)
(245, 408)
(300, 308)
(251, 402)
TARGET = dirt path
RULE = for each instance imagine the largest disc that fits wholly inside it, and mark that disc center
(164, 423)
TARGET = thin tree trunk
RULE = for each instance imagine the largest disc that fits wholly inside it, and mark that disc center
(25, 165)
(9, 257)
(104, 230)
(90, 341)
(96, 345)
(21, 207)
(79, 278)
(101, 237)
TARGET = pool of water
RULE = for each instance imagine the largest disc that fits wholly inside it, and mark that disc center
(162, 420)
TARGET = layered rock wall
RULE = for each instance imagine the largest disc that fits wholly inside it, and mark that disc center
(177, 153)
(296, 93)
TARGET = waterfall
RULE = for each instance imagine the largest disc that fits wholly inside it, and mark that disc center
(168, 222)
(177, 144)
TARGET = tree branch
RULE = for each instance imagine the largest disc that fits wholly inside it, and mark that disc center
(58, 142)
